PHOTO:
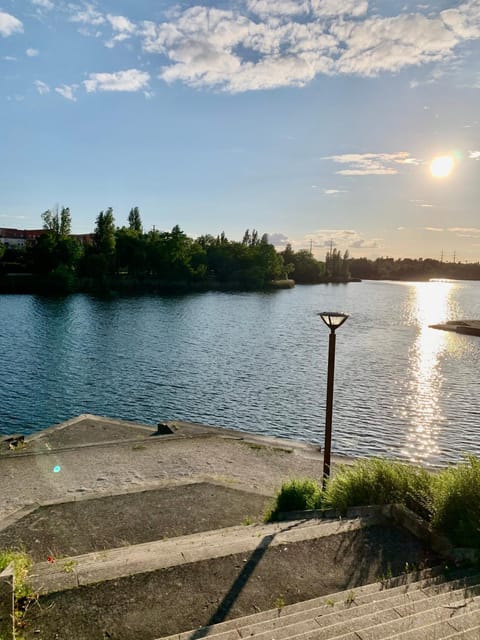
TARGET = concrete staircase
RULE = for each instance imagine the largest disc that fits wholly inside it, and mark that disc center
(422, 606)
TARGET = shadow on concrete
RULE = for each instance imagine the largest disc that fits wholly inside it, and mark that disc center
(238, 585)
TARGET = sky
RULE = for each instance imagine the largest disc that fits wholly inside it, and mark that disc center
(315, 121)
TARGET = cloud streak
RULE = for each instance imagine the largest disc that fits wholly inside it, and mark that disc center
(364, 164)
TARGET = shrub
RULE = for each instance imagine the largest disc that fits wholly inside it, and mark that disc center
(378, 481)
(296, 495)
(456, 503)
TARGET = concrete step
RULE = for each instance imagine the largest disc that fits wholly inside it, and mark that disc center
(68, 573)
(436, 618)
(348, 602)
(465, 626)
(379, 624)
(389, 606)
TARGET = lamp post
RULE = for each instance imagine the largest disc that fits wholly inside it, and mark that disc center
(333, 320)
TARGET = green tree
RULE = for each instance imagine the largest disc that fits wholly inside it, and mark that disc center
(131, 251)
(104, 235)
(337, 266)
(55, 249)
(134, 220)
(57, 224)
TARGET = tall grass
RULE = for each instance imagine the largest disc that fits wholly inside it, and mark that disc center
(378, 481)
(449, 499)
(456, 503)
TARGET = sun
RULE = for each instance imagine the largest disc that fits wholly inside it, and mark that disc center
(442, 166)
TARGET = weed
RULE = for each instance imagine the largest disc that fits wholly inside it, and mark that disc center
(279, 603)
(351, 597)
(21, 565)
(296, 495)
(329, 602)
(70, 566)
(409, 568)
(138, 447)
(247, 521)
(255, 446)
(387, 575)
(23, 594)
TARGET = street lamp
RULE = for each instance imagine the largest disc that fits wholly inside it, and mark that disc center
(333, 320)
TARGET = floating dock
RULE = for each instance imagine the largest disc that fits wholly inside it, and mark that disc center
(468, 327)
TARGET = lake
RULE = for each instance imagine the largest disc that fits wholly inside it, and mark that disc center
(257, 362)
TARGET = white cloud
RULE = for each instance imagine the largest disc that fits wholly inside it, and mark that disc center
(278, 239)
(390, 44)
(67, 91)
(464, 20)
(128, 80)
(9, 58)
(9, 25)
(120, 23)
(333, 192)
(203, 46)
(353, 8)
(342, 238)
(437, 229)
(31, 53)
(42, 87)
(87, 15)
(274, 43)
(362, 164)
(123, 27)
(45, 4)
(265, 8)
(474, 155)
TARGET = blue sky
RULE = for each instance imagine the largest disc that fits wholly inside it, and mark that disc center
(312, 120)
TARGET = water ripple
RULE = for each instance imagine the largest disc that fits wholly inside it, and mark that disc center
(256, 362)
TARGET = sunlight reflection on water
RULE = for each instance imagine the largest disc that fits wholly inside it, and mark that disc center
(429, 303)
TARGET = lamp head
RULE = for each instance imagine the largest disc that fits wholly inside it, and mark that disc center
(333, 319)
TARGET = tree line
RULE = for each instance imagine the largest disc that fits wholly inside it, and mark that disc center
(412, 269)
(129, 258)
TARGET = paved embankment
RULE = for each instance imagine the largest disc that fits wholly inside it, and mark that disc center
(59, 469)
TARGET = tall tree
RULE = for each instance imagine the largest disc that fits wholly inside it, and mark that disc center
(134, 220)
(104, 236)
(57, 224)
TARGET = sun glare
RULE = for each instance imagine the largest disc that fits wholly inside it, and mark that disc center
(442, 166)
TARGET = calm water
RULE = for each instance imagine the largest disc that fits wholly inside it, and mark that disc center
(256, 362)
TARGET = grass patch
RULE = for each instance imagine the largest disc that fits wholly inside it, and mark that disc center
(295, 495)
(456, 503)
(449, 499)
(378, 481)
